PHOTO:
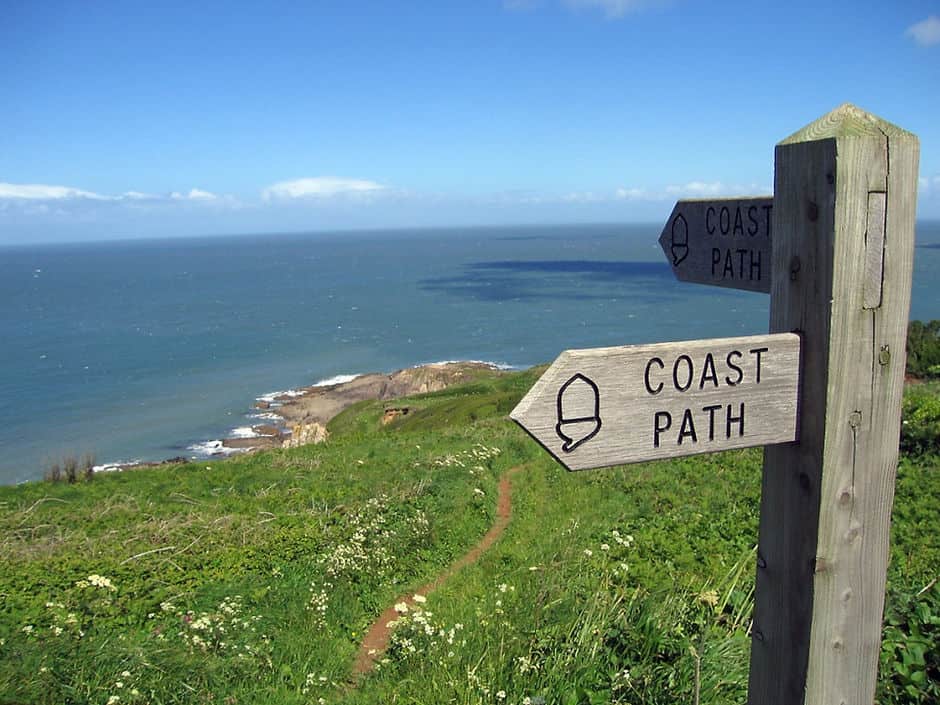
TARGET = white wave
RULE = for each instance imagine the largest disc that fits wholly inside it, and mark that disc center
(338, 379)
(210, 448)
(494, 365)
(271, 396)
(114, 467)
(242, 432)
(265, 416)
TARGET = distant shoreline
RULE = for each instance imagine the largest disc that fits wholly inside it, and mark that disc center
(309, 409)
(321, 403)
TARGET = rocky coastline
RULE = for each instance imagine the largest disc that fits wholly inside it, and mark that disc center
(300, 417)
(304, 414)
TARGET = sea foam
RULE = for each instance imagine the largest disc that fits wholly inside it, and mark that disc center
(212, 448)
(338, 379)
(494, 365)
(242, 432)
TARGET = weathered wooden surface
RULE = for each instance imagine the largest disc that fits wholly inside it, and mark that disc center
(826, 501)
(722, 242)
(608, 406)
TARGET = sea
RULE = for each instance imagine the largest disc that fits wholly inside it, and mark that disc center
(149, 349)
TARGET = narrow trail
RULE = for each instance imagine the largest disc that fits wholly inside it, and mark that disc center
(376, 639)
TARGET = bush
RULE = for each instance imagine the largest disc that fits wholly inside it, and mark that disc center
(71, 470)
(88, 466)
(54, 473)
(923, 349)
(910, 649)
(920, 419)
(70, 466)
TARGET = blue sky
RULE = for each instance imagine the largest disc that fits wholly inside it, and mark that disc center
(163, 119)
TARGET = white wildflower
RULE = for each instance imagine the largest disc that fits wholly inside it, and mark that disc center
(101, 581)
(709, 597)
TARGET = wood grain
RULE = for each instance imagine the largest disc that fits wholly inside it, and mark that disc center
(664, 400)
(722, 242)
(826, 501)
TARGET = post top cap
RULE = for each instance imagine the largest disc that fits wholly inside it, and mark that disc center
(847, 121)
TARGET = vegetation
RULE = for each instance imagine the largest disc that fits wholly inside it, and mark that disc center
(923, 349)
(920, 419)
(252, 580)
(71, 469)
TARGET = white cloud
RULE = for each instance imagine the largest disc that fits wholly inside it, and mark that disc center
(637, 194)
(583, 197)
(44, 192)
(926, 32)
(697, 188)
(611, 8)
(193, 195)
(692, 189)
(319, 187)
(32, 199)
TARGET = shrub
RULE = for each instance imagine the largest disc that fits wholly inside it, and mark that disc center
(910, 648)
(54, 473)
(923, 349)
(88, 466)
(71, 469)
(920, 419)
(70, 466)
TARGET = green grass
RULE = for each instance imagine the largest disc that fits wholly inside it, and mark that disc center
(251, 580)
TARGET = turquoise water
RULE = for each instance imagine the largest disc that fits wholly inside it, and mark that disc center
(143, 350)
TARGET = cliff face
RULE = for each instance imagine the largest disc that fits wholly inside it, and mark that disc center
(429, 378)
(305, 433)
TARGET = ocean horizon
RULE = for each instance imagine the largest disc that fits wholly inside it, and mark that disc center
(141, 350)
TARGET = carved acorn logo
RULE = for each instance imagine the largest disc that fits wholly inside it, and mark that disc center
(579, 407)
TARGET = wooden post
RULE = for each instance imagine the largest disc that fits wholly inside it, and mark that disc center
(845, 190)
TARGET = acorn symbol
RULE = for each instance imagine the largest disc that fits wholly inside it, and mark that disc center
(579, 418)
(680, 240)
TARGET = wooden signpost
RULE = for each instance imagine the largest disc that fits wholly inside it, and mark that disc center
(827, 406)
(724, 242)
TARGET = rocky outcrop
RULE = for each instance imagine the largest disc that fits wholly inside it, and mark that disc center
(320, 404)
(306, 433)
(393, 414)
(308, 412)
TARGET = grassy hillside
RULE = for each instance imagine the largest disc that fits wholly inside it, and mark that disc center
(251, 580)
